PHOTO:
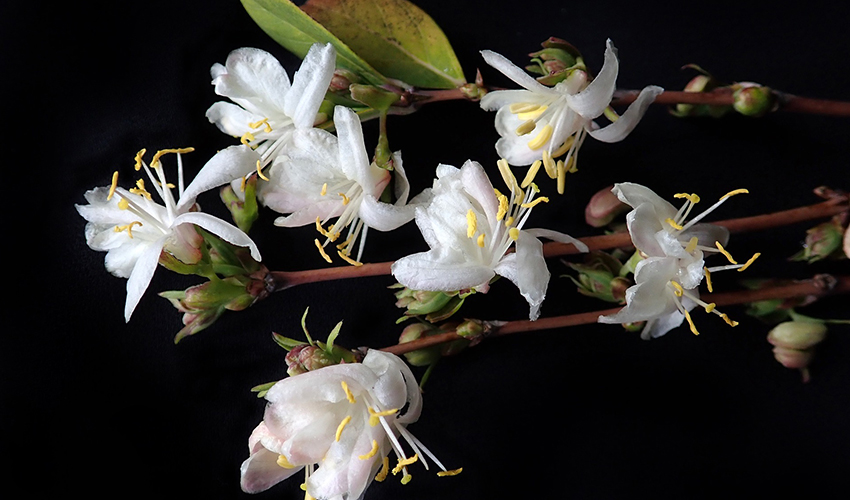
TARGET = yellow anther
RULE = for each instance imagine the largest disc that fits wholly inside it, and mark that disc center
(264, 121)
(372, 452)
(523, 107)
(348, 394)
(348, 259)
(708, 280)
(243, 184)
(536, 202)
(571, 165)
(374, 416)
(541, 138)
(322, 251)
(692, 244)
(324, 189)
(532, 172)
(385, 469)
(525, 127)
(507, 175)
(561, 171)
(691, 322)
(138, 159)
(112, 186)
(345, 243)
(509, 221)
(162, 152)
(520, 196)
(710, 307)
(128, 227)
(549, 165)
(341, 426)
(123, 204)
(673, 224)
(504, 204)
(728, 321)
(535, 188)
(406, 478)
(404, 462)
(724, 252)
(481, 240)
(471, 223)
(733, 193)
(284, 462)
(532, 114)
(679, 291)
(260, 171)
(321, 229)
(562, 150)
(345, 199)
(693, 198)
(514, 233)
(747, 264)
(140, 189)
(246, 139)
(455, 472)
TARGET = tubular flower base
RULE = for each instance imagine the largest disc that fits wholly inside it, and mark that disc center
(666, 280)
(338, 423)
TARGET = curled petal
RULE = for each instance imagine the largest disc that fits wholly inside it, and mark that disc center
(384, 216)
(593, 100)
(261, 471)
(498, 99)
(439, 270)
(224, 230)
(515, 73)
(526, 268)
(252, 78)
(227, 165)
(231, 119)
(557, 236)
(618, 130)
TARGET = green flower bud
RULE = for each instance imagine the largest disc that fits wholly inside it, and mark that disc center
(752, 99)
(470, 328)
(599, 277)
(822, 241)
(305, 358)
(419, 357)
(798, 335)
(242, 204)
(435, 306)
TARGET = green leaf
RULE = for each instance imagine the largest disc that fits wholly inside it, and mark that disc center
(286, 342)
(396, 37)
(296, 32)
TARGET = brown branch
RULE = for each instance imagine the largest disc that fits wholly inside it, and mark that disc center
(818, 286)
(282, 280)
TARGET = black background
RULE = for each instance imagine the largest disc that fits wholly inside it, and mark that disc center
(91, 404)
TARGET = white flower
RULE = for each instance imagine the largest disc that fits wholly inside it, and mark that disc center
(267, 107)
(344, 418)
(325, 176)
(134, 230)
(470, 227)
(666, 280)
(545, 123)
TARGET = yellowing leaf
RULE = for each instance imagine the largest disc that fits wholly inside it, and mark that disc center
(395, 37)
(296, 31)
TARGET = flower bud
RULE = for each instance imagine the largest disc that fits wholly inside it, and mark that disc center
(704, 82)
(752, 99)
(419, 357)
(847, 242)
(240, 198)
(603, 207)
(342, 79)
(305, 358)
(473, 91)
(822, 241)
(435, 306)
(470, 328)
(797, 334)
(599, 277)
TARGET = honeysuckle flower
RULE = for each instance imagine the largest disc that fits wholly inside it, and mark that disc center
(325, 176)
(666, 280)
(134, 229)
(339, 423)
(470, 226)
(545, 123)
(266, 108)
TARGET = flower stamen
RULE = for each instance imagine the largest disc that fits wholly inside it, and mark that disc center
(471, 223)
(541, 138)
(385, 470)
(532, 172)
(348, 394)
(341, 426)
(724, 252)
(371, 452)
(322, 251)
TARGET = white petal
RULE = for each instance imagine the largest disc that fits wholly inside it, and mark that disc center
(141, 276)
(224, 230)
(515, 73)
(557, 236)
(707, 234)
(227, 165)
(643, 223)
(353, 159)
(389, 369)
(635, 194)
(310, 85)
(384, 216)
(308, 214)
(261, 471)
(254, 79)
(500, 98)
(657, 327)
(618, 130)
(593, 100)
(440, 270)
(478, 185)
(532, 275)
(231, 119)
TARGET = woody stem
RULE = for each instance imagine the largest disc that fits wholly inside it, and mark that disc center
(282, 280)
(818, 286)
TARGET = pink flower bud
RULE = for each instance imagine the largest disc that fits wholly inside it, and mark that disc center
(603, 207)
